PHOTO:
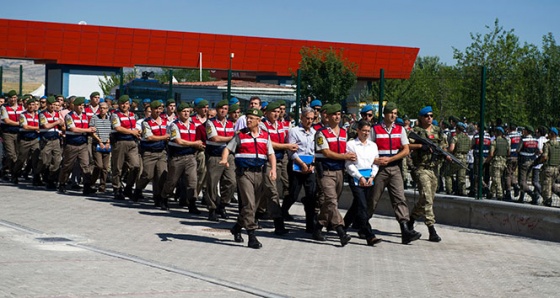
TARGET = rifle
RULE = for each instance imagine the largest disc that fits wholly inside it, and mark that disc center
(436, 150)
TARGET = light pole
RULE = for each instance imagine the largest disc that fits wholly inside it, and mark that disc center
(229, 76)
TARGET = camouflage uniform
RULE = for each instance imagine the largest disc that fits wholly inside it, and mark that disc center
(551, 152)
(462, 146)
(425, 173)
(499, 149)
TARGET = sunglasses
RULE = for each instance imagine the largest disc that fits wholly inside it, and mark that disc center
(429, 116)
(369, 115)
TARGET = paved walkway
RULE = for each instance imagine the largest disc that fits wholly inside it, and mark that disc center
(54, 245)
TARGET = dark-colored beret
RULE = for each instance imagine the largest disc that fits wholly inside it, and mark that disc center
(254, 112)
(124, 99)
(79, 101)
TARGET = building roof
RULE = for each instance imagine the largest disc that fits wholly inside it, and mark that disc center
(91, 45)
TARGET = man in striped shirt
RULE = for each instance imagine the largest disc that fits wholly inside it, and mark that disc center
(101, 146)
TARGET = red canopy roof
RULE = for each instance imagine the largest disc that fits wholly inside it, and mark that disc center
(91, 45)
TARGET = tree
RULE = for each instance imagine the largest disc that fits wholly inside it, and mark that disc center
(326, 75)
(108, 82)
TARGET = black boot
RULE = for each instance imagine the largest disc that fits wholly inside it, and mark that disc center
(508, 197)
(128, 192)
(547, 202)
(37, 180)
(164, 204)
(212, 216)
(117, 194)
(516, 190)
(192, 207)
(434, 237)
(236, 232)
(344, 237)
(221, 211)
(62, 188)
(410, 224)
(408, 235)
(521, 198)
(534, 198)
(253, 241)
(137, 195)
(279, 228)
(317, 234)
(88, 190)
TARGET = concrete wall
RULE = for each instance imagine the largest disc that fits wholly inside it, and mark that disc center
(526, 220)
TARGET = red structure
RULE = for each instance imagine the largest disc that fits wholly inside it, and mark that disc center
(102, 46)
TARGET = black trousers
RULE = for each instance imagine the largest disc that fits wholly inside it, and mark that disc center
(357, 215)
(298, 180)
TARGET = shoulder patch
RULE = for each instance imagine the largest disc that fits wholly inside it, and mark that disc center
(320, 141)
(208, 129)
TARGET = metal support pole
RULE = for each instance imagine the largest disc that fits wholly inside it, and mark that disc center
(170, 91)
(20, 79)
(481, 131)
(298, 99)
(381, 93)
(121, 83)
(229, 76)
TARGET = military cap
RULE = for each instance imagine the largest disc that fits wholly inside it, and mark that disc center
(51, 99)
(425, 110)
(529, 128)
(264, 104)
(197, 100)
(201, 104)
(366, 109)
(31, 100)
(221, 103)
(500, 129)
(389, 107)
(82, 100)
(454, 119)
(155, 104)
(461, 125)
(405, 117)
(94, 93)
(146, 100)
(12, 93)
(332, 109)
(109, 97)
(316, 103)
(272, 106)
(254, 112)
(136, 100)
(399, 121)
(44, 97)
(553, 130)
(124, 99)
(434, 122)
(233, 101)
(170, 101)
(234, 107)
(183, 105)
(325, 107)
(281, 102)
(445, 123)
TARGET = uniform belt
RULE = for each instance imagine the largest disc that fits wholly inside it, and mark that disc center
(28, 139)
(50, 139)
(254, 169)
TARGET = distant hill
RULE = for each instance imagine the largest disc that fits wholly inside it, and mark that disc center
(32, 73)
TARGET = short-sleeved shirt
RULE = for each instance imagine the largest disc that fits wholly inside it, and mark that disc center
(232, 145)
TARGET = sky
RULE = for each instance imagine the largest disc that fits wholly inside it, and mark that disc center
(436, 27)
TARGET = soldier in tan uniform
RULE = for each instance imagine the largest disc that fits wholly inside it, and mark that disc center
(499, 151)
(551, 160)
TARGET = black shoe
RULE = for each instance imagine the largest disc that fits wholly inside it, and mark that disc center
(236, 232)
(212, 216)
(373, 240)
(286, 215)
(410, 224)
(88, 190)
(128, 192)
(193, 209)
(51, 186)
(62, 188)
(547, 202)
(164, 204)
(118, 195)
(279, 228)
(75, 186)
(15, 180)
(317, 234)
(253, 241)
(344, 237)
(516, 190)
(534, 198)
(434, 237)
(137, 195)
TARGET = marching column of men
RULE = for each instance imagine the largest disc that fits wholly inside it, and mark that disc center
(258, 153)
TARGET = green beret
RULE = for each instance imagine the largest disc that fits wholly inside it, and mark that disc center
(272, 106)
(529, 128)
(389, 107)
(183, 105)
(233, 108)
(123, 99)
(221, 103)
(405, 117)
(254, 112)
(31, 100)
(282, 102)
(170, 101)
(333, 109)
(12, 93)
(94, 93)
(136, 100)
(51, 99)
(80, 100)
(325, 107)
(201, 104)
(156, 104)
